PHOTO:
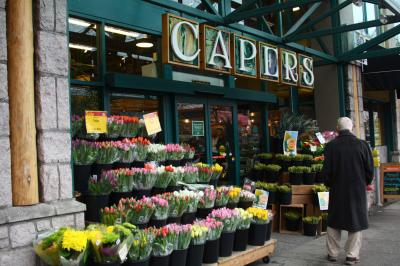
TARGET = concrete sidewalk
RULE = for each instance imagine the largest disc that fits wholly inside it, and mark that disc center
(380, 247)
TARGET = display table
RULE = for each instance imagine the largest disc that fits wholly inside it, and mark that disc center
(251, 254)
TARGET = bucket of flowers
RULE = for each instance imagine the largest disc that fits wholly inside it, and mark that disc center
(206, 203)
(110, 215)
(181, 240)
(114, 126)
(177, 206)
(234, 197)
(127, 154)
(189, 153)
(140, 251)
(130, 126)
(258, 227)
(230, 218)
(216, 170)
(176, 174)
(162, 180)
(246, 199)
(205, 173)
(65, 246)
(162, 246)
(139, 212)
(124, 184)
(84, 155)
(190, 174)
(141, 145)
(107, 154)
(98, 195)
(192, 198)
(143, 180)
(160, 215)
(242, 231)
(211, 247)
(196, 247)
(156, 153)
(175, 154)
(78, 129)
(222, 197)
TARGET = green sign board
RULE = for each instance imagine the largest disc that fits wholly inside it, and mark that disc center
(198, 128)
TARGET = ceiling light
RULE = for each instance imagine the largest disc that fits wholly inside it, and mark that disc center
(296, 8)
(82, 47)
(79, 22)
(252, 114)
(383, 19)
(122, 32)
(186, 121)
(144, 44)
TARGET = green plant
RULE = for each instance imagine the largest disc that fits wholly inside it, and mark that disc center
(283, 157)
(320, 188)
(265, 155)
(298, 158)
(296, 169)
(271, 187)
(324, 216)
(259, 166)
(292, 215)
(311, 219)
(317, 168)
(293, 122)
(306, 170)
(284, 188)
(273, 168)
(307, 157)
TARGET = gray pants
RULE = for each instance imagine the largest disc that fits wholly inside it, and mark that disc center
(352, 247)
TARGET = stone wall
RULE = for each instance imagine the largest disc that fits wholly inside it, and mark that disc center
(19, 226)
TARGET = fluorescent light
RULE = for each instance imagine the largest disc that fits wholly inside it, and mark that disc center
(82, 47)
(296, 8)
(122, 32)
(186, 121)
(144, 44)
(78, 22)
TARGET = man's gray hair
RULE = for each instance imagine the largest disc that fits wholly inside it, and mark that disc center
(344, 123)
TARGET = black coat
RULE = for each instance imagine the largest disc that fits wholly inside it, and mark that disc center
(348, 168)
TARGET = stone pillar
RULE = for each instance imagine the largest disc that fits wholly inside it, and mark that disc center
(52, 100)
(5, 158)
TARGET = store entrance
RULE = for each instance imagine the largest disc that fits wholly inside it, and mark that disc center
(210, 126)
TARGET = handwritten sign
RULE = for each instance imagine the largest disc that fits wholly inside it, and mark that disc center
(261, 198)
(323, 199)
(96, 122)
(197, 128)
(152, 123)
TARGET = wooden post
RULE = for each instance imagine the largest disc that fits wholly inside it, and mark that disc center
(21, 99)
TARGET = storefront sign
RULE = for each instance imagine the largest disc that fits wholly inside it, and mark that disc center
(96, 122)
(186, 43)
(290, 142)
(152, 123)
(197, 128)
(323, 199)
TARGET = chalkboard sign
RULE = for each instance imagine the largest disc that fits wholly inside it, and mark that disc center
(390, 181)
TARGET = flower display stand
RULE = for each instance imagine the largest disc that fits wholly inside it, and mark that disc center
(282, 220)
(251, 254)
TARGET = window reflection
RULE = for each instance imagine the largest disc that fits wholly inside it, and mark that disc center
(83, 49)
(85, 98)
(131, 52)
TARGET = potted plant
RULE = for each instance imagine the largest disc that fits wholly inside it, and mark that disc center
(230, 219)
(272, 173)
(139, 212)
(246, 199)
(242, 230)
(162, 180)
(317, 168)
(162, 246)
(324, 218)
(140, 251)
(308, 160)
(190, 174)
(292, 220)
(296, 175)
(181, 241)
(156, 153)
(143, 180)
(258, 171)
(78, 126)
(107, 154)
(114, 126)
(192, 198)
(124, 184)
(130, 126)
(222, 196)
(310, 224)
(216, 170)
(196, 247)
(205, 173)
(265, 158)
(234, 197)
(308, 176)
(127, 154)
(258, 226)
(316, 189)
(177, 206)
(83, 156)
(141, 147)
(298, 160)
(271, 188)
(285, 194)
(176, 174)
(98, 196)
(189, 153)
(175, 154)
(206, 203)
(160, 214)
(211, 246)
(110, 215)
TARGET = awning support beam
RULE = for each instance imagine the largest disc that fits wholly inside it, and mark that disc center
(304, 18)
(210, 7)
(372, 54)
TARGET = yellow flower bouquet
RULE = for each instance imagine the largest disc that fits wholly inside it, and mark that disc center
(234, 194)
(260, 216)
(216, 170)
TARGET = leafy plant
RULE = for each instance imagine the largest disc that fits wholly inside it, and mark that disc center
(306, 170)
(317, 168)
(292, 215)
(283, 157)
(273, 168)
(311, 219)
(271, 187)
(259, 166)
(307, 157)
(265, 155)
(298, 158)
(284, 188)
(324, 216)
(320, 188)
(296, 169)
(293, 122)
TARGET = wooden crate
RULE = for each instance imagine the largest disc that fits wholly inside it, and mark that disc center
(282, 220)
(251, 254)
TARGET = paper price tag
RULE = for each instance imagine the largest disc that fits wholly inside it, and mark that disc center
(123, 252)
(320, 138)
(261, 198)
(152, 123)
(323, 199)
(96, 122)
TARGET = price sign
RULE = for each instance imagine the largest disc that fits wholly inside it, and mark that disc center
(197, 128)
(96, 122)
(152, 123)
(323, 199)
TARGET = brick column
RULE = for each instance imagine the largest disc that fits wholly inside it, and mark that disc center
(52, 100)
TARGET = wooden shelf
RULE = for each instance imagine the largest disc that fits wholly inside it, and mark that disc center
(251, 254)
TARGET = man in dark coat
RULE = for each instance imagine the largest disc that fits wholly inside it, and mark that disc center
(348, 169)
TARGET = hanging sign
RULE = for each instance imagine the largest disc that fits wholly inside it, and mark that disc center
(186, 43)
(96, 122)
(261, 198)
(323, 200)
(290, 142)
(152, 123)
(197, 128)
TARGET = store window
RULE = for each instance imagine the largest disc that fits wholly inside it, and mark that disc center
(85, 98)
(131, 52)
(83, 49)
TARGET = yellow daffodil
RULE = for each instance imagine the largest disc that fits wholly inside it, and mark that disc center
(74, 240)
(259, 214)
